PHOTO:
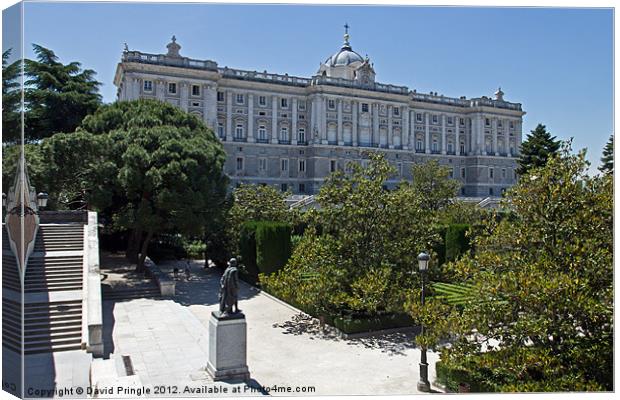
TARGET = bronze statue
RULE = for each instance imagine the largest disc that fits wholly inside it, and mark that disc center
(229, 289)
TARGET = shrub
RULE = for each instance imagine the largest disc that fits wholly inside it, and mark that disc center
(456, 242)
(247, 249)
(273, 246)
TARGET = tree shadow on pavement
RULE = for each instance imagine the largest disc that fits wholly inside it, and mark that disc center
(392, 343)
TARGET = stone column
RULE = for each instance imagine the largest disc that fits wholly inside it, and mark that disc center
(184, 95)
(457, 135)
(229, 96)
(160, 90)
(135, 89)
(375, 124)
(390, 139)
(494, 133)
(294, 121)
(404, 138)
(209, 104)
(518, 134)
(354, 109)
(323, 119)
(251, 138)
(427, 133)
(339, 135)
(274, 119)
(443, 134)
(313, 120)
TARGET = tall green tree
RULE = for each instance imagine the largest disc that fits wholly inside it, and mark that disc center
(432, 181)
(536, 149)
(361, 244)
(58, 96)
(11, 99)
(538, 315)
(607, 161)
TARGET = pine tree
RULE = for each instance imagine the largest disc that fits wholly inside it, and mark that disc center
(607, 161)
(11, 98)
(58, 96)
(537, 149)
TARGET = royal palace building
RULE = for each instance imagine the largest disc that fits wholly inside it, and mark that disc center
(292, 132)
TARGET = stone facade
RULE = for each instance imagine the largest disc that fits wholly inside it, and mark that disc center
(292, 132)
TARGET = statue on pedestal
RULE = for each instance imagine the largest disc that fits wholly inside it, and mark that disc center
(229, 290)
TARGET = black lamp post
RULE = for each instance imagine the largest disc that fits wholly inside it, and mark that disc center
(423, 385)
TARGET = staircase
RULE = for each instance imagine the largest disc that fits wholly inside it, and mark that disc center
(117, 294)
(55, 266)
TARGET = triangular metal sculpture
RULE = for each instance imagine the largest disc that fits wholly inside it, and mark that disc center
(22, 219)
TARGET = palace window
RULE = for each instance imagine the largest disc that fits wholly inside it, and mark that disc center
(195, 104)
(503, 173)
(419, 145)
(301, 105)
(435, 119)
(512, 125)
(239, 98)
(463, 173)
(332, 165)
(490, 173)
(262, 164)
(284, 133)
(462, 148)
(220, 130)
(284, 103)
(262, 132)
(462, 121)
(239, 163)
(451, 173)
(262, 100)
(172, 88)
(449, 120)
(435, 145)
(195, 90)
(302, 165)
(302, 187)
(148, 86)
(364, 107)
(499, 123)
(220, 96)
(487, 122)
(239, 131)
(450, 147)
(396, 111)
(301, 135)
(331, 104)
(283, 187)
(284, 164)
(399, 168)
(418, 117)
(490, 191)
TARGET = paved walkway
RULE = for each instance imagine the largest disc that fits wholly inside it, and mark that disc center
(167, 340)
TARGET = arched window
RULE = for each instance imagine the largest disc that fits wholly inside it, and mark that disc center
(262, 132)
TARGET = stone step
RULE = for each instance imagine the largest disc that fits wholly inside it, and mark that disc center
(38, 289)
(119, 294)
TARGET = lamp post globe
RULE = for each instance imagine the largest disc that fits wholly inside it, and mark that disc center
(42, 199)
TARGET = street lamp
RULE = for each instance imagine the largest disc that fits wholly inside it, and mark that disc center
(42, 199)
(3, 200)
(423, 385)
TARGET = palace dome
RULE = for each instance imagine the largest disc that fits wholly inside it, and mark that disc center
(346, 56)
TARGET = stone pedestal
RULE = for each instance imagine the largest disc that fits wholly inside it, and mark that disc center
(227, 347)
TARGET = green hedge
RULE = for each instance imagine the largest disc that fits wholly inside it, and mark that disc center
(247, 248)
(451, 377)
(456, 242)
(273, 246)
(265, 248)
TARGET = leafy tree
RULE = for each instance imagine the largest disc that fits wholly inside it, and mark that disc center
(537, 149)
(538, 312)
(367, 246)
(58, 96)
(607, 161)
(11, 99)
(432, 181)
(147, 166)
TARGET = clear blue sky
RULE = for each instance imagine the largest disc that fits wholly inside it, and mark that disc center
(556, 62)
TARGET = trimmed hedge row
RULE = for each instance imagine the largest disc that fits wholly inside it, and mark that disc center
(265, 247)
